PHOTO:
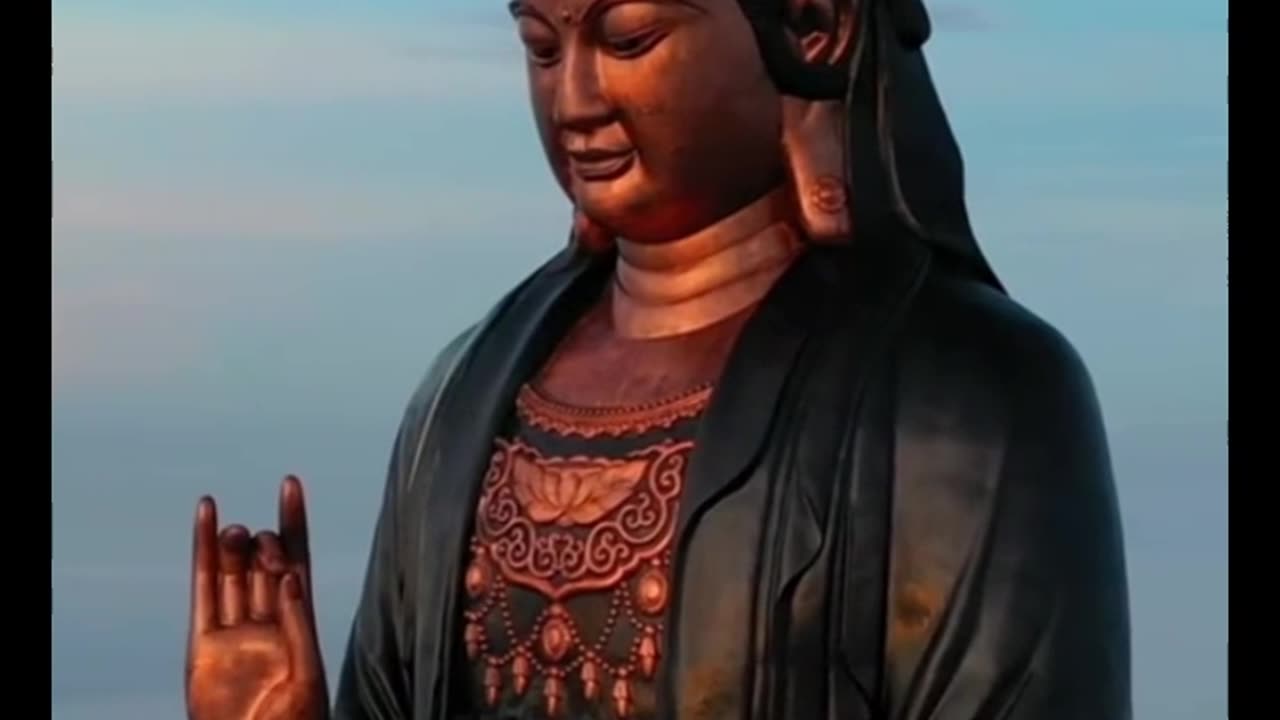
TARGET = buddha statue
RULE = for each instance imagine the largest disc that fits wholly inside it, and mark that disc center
(766, 439)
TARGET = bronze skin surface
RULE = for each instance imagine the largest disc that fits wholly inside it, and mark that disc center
(252, 650)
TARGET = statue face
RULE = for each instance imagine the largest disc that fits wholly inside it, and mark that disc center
(658, 116)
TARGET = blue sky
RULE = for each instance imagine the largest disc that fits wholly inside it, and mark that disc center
(269, 216)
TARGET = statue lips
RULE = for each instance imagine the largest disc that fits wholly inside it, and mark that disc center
(599, 164)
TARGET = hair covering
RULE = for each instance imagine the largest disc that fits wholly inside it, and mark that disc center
(905, 167)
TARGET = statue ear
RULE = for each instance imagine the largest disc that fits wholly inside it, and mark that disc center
(813, 131)
(821, 30)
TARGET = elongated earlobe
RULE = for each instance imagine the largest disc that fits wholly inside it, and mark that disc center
(813, 131)
(813, 143)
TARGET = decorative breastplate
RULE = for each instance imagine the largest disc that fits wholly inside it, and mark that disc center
(569, 584)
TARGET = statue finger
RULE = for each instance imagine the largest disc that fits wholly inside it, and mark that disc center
(299, 630)
(264, 578)
(233, 565)
(204, 567)
(293, 523)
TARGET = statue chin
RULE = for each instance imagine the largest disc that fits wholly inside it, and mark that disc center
(621, 207)
(645, 215)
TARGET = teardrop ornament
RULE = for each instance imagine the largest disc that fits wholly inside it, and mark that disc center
(520, 671)
(492, 685)
(474, 636)
(648, 653)
(554, 696)
(623, 702)
(590, 680)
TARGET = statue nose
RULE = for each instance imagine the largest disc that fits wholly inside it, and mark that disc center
(581, 104)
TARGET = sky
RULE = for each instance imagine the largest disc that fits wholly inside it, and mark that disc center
(268, 218)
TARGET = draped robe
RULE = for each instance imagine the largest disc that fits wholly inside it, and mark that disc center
(900, 506)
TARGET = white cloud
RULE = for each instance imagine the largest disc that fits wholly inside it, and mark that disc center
(176, 61)
(1012, 67)
(147, 278)
(138, 257)
(180, 61)
(314, 211)
(961, 17)
(123, 329)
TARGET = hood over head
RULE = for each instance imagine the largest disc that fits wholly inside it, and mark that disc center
(905, 168)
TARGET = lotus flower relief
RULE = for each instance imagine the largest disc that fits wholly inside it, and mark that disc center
(572, 491)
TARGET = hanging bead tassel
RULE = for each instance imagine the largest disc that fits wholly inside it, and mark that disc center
(623, 702)
(474, 636)
(520, 672)
(554, 692)
(590, 680)
(492, 685)
(648, 653)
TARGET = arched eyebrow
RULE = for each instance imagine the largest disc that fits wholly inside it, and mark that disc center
(520, 8)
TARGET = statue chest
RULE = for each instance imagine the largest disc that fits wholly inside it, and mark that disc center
(568, 582)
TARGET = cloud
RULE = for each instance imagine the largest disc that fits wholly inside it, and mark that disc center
(131, 706)
(961, 17)
(312, 211)
(149, 281)
(1094, 70)
(149, 230)
(176, 61)
(119, 331)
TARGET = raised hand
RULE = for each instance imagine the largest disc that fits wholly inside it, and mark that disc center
(252, 647)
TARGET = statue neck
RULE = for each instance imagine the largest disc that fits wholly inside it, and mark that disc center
(680, 286)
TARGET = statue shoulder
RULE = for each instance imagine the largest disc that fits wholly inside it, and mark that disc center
(1005, 529)
(437, 374)
(975, 335)
(992, 371)
(1005, 503)
(441, 369)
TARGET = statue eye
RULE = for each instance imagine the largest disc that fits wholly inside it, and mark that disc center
(630, 29)
(540, 40)
(634, 45)
(543, 54)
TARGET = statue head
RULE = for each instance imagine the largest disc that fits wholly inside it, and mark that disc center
(660, 117)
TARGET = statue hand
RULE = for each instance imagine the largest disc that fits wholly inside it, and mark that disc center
(252, 647)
